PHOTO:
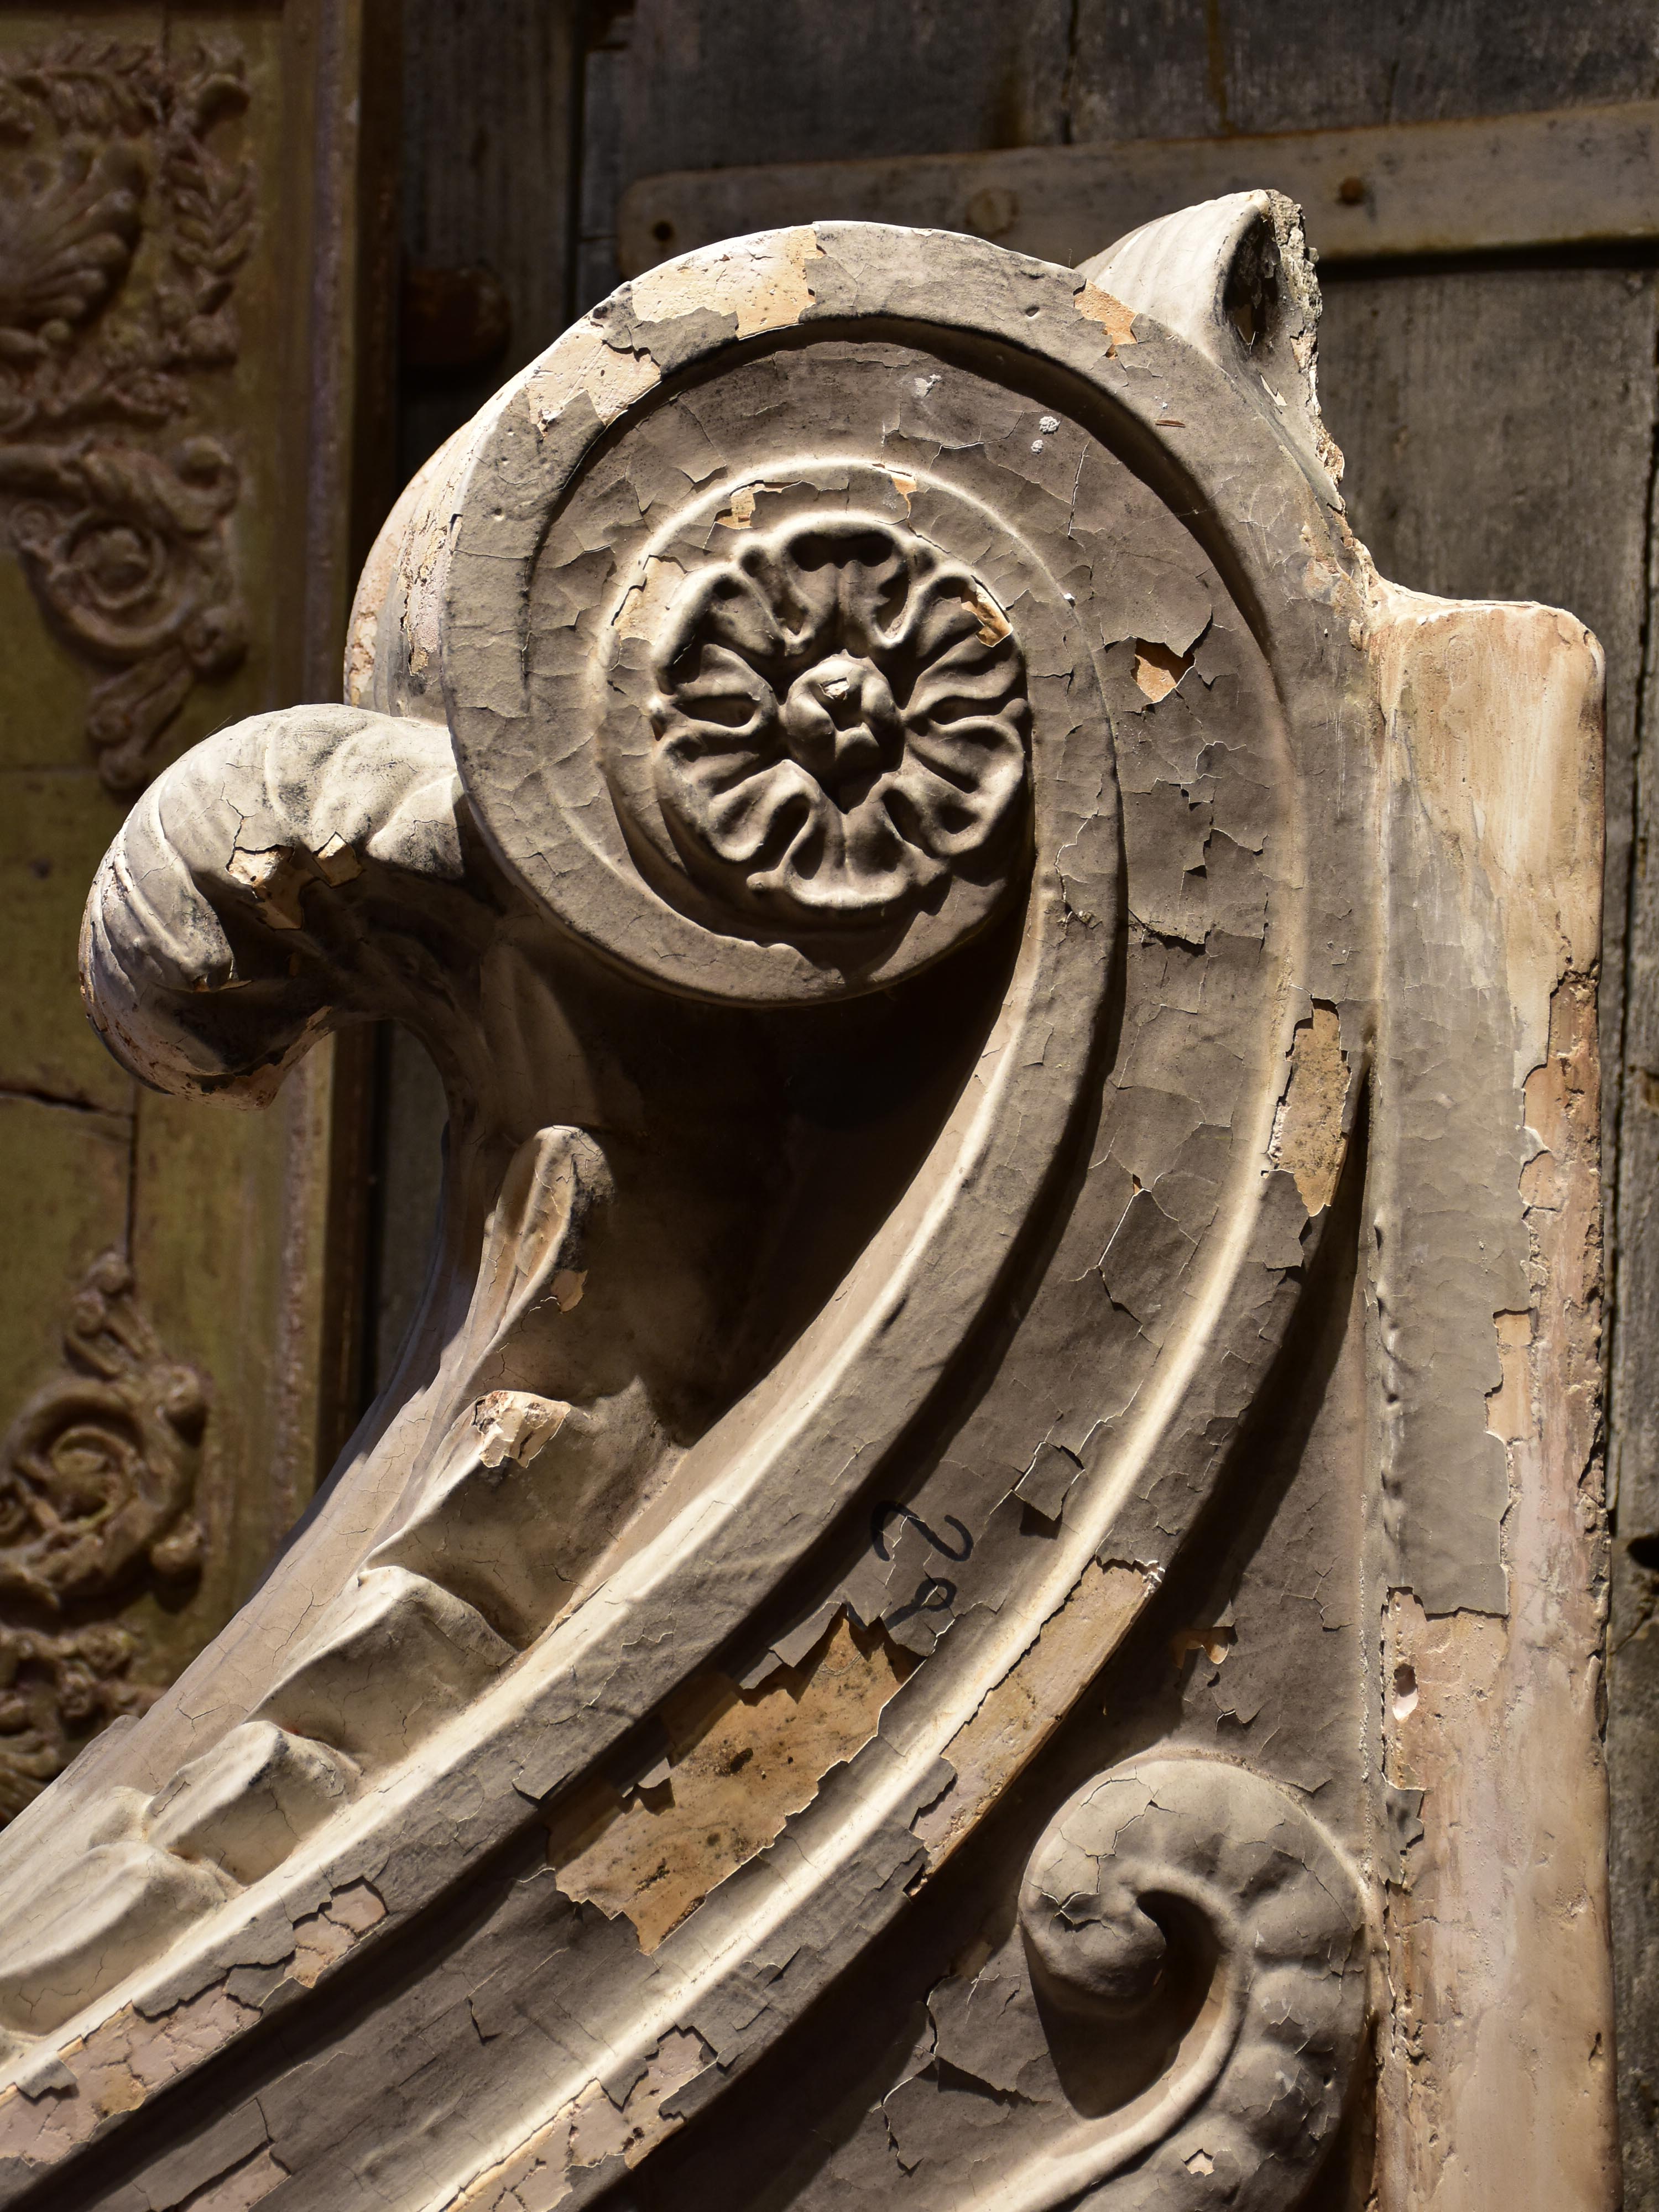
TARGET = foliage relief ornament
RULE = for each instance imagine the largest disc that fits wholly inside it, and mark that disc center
(122, 230)
(841, 723)
(98, 1475)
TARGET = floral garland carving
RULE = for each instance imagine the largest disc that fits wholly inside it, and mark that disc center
(98, 1475)
(122, 230)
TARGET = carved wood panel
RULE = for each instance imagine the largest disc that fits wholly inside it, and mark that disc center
(181, 306)
(127, 227)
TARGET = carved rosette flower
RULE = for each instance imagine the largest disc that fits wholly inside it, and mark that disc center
(842, 724)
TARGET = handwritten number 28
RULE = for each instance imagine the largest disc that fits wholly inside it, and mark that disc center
(934, 1593)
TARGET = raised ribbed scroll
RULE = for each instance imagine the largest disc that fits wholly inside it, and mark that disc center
(979, 1585)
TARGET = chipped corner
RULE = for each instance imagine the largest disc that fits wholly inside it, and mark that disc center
(1114, 318)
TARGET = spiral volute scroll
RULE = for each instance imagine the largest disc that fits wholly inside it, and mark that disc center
(1189, 1905)
(808, 745)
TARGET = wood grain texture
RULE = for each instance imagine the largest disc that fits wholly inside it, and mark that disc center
(67, 1202)
(1191, 66)
(54, 824)
(1633, 1640)
(489, 134)
(1572, 176)
(678, 87)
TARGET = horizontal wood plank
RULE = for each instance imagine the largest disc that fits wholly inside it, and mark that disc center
(1574, 176)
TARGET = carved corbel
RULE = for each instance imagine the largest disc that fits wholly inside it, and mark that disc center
(942, 888)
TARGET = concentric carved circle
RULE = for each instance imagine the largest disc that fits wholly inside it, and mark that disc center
(785, 736)
(841, 717)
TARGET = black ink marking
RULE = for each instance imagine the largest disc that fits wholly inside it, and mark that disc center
(934, 1594)
(890, 1510)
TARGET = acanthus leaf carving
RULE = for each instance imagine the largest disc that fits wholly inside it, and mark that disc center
(122, 230)
(98, 1476)
(624, 1455)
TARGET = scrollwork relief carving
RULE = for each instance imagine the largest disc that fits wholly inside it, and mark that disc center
(123, 228)
(1186, 1920)
(98, 1473)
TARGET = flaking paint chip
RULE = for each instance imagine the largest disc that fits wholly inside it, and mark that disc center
(1159, 670)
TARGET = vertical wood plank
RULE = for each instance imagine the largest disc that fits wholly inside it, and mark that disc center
(489, 133)
(1203, 67)
(1633, 1412)
(675, 86)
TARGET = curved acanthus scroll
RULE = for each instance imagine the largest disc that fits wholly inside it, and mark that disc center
(1185, 1907)
(125, 227)
(863, 1153)
(98, 1473)
(1172, 2016)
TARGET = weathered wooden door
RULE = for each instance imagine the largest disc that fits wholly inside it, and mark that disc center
(193, 268)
